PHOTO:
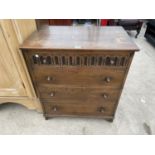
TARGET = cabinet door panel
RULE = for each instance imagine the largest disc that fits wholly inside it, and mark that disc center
(10, 82)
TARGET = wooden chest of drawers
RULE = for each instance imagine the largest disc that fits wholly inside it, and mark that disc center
(79, 71)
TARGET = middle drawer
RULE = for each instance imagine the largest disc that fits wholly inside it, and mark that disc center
(86, 95)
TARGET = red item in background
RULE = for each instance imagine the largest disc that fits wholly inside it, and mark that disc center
(104, 22)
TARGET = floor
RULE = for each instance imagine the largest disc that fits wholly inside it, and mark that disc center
(135, 113)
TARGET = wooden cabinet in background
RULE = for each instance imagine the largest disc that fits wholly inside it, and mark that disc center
(10, 82)
(15, 83)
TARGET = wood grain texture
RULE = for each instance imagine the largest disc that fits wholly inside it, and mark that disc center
(10, 82)
(72, 58)
(77, 76)
(77, 94)
(15, 82)
(72, 37)
(17, 53)
(55, 109)
(24, 28)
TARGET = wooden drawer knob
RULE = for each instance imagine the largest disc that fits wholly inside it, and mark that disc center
(105, 96)
(52, 94)
(108, 79)
(102, 109)
(54, 109)
(49, 78)
(44, 61)
(36, 55)
(112, 62)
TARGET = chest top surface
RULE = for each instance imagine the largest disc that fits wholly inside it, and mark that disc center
(80, 37)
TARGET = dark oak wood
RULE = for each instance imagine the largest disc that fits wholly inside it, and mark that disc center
(56, 108)
(77, 94)
(97, 77)
(80, 37)
(87, 81)
(60, 22)
(41, 23)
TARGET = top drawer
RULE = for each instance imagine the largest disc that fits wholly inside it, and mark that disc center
(82, 58)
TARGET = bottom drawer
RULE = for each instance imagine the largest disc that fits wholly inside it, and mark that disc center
(54, 109)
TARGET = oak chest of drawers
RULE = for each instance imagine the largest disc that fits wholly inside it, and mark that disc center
(79, 71)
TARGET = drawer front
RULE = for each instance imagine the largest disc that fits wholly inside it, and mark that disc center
(69, 109)
(81, 77)
(83, 58)
(83, 95)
